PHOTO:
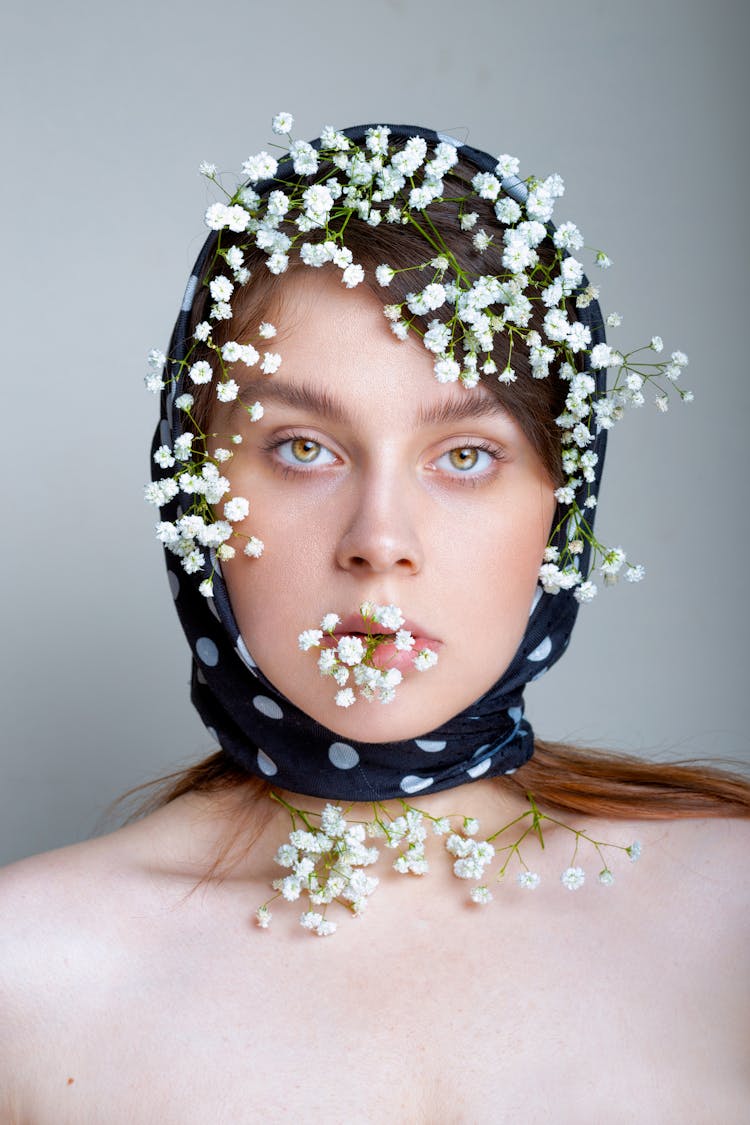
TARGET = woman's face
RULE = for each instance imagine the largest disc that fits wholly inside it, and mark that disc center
(370, 481)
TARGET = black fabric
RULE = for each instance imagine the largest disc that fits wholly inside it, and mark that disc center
(265, 733)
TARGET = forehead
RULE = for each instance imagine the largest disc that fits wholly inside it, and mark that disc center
(338, 344)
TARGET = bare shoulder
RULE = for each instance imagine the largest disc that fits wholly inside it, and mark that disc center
(35, 910)
(61, 941)
(698, 869)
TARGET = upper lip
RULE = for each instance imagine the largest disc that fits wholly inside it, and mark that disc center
(355, 623)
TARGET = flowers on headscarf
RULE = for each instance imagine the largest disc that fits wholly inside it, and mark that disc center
(383, 179)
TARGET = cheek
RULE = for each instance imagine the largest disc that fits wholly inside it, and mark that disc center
(274, 596)
(503, 577)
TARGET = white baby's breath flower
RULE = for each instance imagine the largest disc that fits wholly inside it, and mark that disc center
(227, 390)
(352, 276)
(221, 288)
(573, 878)
(266, 330)
(193, 561)
(311, 919)
(271, 363)
(236, 509)
(481, 895)
(216, 216)
(345, 697)
(163, 457)
(600, 356)
(606, 878)
(253, 548)
(262, 166)
(282, 123)
(263, 917)
(529, 880)
(425, 659)
(389, 616)
(634, 851)
(327, 661)
(310, 638)
(350, 650)
(201, 372)
(586, 592)
(329, 622)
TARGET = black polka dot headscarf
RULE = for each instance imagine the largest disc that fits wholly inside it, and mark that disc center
(262, 731)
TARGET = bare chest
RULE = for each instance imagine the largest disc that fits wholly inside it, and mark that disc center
(457, 1017)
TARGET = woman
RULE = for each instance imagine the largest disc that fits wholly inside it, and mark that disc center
(370, 563)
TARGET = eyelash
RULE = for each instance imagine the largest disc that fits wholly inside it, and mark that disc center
(468, 478)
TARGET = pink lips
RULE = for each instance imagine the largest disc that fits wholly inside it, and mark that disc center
(385, 655)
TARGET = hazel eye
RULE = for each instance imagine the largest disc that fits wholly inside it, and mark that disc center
(304, 451)
(466, 459)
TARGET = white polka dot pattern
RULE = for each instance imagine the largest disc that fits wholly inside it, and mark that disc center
(266, 765)
(413, 784)
(244, 655)
(342, 755)
(207, 652)
(482, 767)
(267, 707)
(542, 650)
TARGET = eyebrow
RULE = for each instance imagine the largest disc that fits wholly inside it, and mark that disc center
(324, 404)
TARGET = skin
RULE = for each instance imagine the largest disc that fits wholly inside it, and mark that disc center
(448, 519)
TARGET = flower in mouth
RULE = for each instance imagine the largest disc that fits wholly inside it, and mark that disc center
(352, 654)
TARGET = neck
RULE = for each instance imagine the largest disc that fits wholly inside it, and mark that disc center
(187, 835)
(492, 802)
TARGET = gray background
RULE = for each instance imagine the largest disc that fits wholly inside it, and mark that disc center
(639, 106)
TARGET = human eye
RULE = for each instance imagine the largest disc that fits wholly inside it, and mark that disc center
(300, 450)
(470, 461)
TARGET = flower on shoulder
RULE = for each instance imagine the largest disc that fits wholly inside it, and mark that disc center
(573, 878)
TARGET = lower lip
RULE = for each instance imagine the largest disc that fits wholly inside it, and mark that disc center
(388, 656)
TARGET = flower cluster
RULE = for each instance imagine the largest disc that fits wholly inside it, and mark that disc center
(350, 655)
(325, 861)
(302, 207)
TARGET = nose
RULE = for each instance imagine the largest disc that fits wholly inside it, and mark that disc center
(381, 535)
